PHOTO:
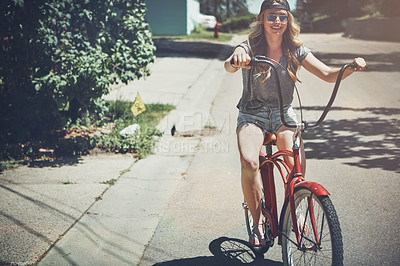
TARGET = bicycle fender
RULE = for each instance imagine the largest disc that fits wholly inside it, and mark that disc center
(316, 188)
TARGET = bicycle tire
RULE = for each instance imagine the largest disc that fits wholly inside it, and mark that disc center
(330, 249)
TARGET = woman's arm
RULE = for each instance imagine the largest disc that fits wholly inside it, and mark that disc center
(241, 59)
(326, 73)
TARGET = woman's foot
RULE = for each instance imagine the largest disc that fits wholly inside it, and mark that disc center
(257, 238)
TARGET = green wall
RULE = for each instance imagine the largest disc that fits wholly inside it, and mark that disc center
(172, 17)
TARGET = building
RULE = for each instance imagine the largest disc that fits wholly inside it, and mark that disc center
(172, 17)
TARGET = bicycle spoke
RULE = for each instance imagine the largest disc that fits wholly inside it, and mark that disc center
(309, 240)
(288, 238)
(309, 259)
(295, 259)
(322, 227)
(327, 235)
(305, 219)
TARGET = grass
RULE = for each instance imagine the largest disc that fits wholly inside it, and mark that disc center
(322, 17)
(109, 182)
(81, 137)
(377, 14)
(151, 117)
(242, 32)
(122, 116)
(9, 164)
(200, 34)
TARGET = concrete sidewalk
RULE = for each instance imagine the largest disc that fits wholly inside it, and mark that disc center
(117, 228)
(66, 213)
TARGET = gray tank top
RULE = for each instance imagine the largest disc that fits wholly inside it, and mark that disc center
(257, 94)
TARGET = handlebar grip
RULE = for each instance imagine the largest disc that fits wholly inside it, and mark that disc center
(353, 65)
(253, 61)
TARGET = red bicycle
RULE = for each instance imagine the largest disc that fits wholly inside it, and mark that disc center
(308, 227)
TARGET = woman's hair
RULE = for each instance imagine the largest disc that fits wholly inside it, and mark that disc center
(289, 43)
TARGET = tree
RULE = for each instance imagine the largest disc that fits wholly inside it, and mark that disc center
(387, 8)
(58, 57)
(349, 8)
(223, 9)
(326, 7)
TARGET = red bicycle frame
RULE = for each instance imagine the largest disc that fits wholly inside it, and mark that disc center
(291, 181)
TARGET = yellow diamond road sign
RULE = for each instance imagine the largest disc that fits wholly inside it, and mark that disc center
(138, 106)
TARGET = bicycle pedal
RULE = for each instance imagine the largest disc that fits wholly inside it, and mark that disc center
(269, 239)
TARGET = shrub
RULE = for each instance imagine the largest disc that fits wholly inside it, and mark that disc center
(82, 136)
(238, 23)
(58, 57)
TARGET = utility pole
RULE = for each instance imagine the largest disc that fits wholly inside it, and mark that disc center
(228, 10)
(228, 13)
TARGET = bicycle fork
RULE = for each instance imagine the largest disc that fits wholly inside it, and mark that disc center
(302, 231)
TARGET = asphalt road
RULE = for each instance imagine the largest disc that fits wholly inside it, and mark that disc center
(355, 155)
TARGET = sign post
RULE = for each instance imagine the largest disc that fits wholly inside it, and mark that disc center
(138, 106)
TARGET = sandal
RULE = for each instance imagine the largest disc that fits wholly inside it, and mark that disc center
(256, 239)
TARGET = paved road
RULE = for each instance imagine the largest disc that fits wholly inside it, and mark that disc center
(355, 155)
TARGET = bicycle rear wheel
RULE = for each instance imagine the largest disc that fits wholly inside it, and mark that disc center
(329, 249)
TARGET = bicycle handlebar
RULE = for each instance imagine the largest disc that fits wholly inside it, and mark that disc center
(265, 60)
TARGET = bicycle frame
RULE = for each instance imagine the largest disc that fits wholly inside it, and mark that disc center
(295, 178)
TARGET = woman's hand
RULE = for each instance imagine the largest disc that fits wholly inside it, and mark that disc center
(240, 58)
(360, 63)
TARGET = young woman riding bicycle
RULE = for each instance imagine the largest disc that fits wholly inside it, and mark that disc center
(274, 35)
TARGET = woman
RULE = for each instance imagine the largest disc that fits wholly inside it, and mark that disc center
(274, 35)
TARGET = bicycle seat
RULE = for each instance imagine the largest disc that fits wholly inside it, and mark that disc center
(268, 138)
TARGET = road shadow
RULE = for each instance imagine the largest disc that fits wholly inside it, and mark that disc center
(389, 62)
(374, 140)
(57, 215)
(59, 162)
(226, 251)
(48, 162)
(179, 48)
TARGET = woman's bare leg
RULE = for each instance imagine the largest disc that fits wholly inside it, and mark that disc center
(285, 142)
(250, 140)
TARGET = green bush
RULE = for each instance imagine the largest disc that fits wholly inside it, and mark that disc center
(387, 8)
(58, 57)
(238, 23)
(328, 25)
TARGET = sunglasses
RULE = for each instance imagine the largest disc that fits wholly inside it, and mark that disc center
(272, 18)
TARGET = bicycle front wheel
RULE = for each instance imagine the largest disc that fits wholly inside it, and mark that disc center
(321, 240)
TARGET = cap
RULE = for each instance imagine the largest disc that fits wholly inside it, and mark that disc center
(268, 4)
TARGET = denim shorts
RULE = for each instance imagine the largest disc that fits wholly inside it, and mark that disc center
(268, 118)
